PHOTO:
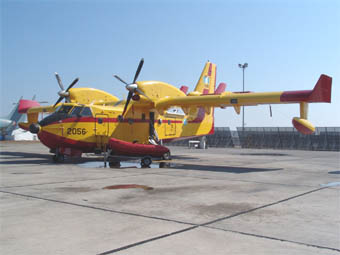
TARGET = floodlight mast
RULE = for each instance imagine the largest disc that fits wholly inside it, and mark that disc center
(244, 66)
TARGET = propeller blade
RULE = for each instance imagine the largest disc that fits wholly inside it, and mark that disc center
(138, 69)
(59, 81)
(118, 78)
(72, 84)
(127, 102)
(142, 93)
(58, 101)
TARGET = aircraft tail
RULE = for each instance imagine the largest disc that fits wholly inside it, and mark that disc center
(14, 115)
(201, 119)
(206, 83)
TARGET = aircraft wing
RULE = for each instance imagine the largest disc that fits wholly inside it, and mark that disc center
(39, 109)
(320, 93)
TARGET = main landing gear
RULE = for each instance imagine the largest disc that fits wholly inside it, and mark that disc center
(58, 158)
(145, 162)
(62, 152)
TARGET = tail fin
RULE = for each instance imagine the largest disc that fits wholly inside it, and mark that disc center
(322, 90)
(206, 83)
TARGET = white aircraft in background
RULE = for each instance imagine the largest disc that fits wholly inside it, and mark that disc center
(9, 123)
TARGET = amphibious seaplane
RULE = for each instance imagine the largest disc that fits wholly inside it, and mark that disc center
(91, 120)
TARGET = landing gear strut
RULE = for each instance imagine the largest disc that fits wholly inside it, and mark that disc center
(58, 158)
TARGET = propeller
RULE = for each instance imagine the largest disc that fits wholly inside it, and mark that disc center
(132, 87)
(64, 93)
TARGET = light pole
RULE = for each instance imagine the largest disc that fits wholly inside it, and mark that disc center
(244, 66)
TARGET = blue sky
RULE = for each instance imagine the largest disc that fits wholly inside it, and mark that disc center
(287, 44)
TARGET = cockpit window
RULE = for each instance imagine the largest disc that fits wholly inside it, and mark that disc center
(76, 111)
(80, 111)
(65, 108)
(86, 112)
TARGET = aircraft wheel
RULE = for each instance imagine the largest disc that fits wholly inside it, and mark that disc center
(164, 165)
(166, 156)
(146, 161)
(58, 158)
(114, 164)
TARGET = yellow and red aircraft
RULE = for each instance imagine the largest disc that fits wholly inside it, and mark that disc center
(92, 120)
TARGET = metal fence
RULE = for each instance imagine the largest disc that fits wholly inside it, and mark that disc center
(324, 138)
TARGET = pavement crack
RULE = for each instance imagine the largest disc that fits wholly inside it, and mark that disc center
(274, 238)
(261, 207)
(97, 208)
(192, 225)
(217, 220)
(148, 240)
(83, 180)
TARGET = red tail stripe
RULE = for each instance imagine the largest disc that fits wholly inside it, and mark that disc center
(210, 69)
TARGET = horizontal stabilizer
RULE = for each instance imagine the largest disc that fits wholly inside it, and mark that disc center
(24, 105)
(184, 89)
(221, 88)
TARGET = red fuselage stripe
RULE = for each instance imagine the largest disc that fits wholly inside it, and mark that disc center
(296, 96)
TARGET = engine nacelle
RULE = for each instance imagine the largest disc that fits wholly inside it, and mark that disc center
(303, 126)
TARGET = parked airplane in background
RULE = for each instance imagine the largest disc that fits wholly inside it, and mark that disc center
(92, 120)
(8, 124)
(11, 120)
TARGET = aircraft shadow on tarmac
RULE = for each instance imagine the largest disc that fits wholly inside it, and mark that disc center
(11, 157)
(264, 154)
(224, 169)
(18, 158)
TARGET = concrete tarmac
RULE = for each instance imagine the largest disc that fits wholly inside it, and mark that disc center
(215, 201)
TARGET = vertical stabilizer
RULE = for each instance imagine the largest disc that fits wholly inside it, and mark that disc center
(207, 81)
(14, 115)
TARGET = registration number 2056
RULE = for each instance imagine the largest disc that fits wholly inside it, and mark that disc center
(76, 131)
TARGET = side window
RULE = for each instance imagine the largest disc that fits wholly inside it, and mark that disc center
(86, 112)
(76, 111)
(65, 109)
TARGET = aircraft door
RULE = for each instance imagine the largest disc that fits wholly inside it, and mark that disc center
(170, 127)
(101, 130)
(152, 124)
(102, 125)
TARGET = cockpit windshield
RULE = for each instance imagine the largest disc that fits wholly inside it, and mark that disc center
(64, 108)
(66, 111)
(80, 111)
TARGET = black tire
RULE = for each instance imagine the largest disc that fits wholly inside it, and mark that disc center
(58, 158)
(146, 161)
(166, 156)
(114, 164)
(164, 165)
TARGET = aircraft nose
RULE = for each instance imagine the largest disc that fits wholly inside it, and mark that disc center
(34, 128)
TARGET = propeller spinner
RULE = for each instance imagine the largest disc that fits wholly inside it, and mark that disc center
(64, 93)
(132, 87)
